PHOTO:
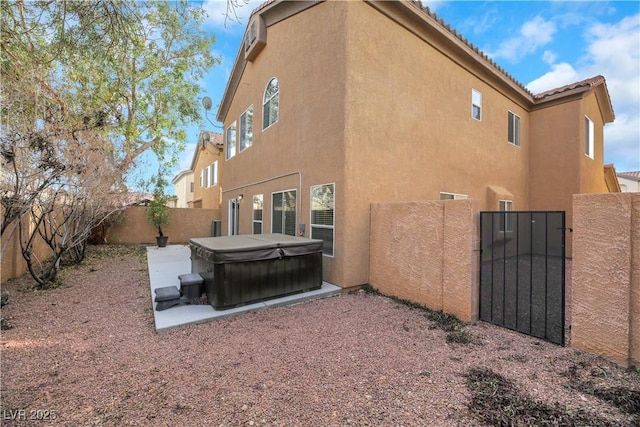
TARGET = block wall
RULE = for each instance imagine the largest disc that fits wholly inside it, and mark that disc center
(605, 292)
(424, 252)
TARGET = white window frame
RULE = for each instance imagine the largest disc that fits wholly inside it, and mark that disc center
(265, 101)
(246, 131)
(231, 137)
(253, 213)
(452, 196)
(295, 190)
(476, 101)
(213, 174)
(332, 227)
(506, 206)
(589, 141)
(201, 178)
(206, 177)
(514, 120)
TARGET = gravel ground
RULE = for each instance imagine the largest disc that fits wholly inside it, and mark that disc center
(86, 353)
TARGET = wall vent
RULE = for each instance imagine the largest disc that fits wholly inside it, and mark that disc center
(255, 38)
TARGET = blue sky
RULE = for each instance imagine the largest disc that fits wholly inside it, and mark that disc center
(542, 44)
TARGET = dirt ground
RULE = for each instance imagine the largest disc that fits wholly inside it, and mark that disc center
(86, 353)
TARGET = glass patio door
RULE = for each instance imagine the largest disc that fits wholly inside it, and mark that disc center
(283, 219)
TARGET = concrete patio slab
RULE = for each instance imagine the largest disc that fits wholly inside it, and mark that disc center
(166, 264)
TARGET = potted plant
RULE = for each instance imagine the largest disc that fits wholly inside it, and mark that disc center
(158, 212)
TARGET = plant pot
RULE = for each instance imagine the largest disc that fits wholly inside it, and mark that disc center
(162, 241)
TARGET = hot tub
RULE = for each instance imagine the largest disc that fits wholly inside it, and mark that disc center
(244, 269)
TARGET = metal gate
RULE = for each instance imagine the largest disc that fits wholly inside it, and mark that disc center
(522, 280)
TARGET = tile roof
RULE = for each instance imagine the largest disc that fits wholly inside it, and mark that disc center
(591, 82)
(632, 174)
(587, 83)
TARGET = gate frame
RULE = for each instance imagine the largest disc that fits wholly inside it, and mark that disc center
(563, 229)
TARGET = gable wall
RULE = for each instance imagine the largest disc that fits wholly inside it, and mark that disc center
(305, 146)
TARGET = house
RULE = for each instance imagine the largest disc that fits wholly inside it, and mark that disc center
(183, 186)
(332, 106)
(629, 181)
(205, 168)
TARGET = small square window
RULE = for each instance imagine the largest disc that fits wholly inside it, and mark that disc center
(476, 104)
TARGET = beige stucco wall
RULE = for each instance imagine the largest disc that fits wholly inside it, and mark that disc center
(383, 110)
(410, 134)
(13, 264)
(182, 190)
(304, 147)
(559, 166)
(133, 227)
(207, 197)
(423, 252)
(605, 291)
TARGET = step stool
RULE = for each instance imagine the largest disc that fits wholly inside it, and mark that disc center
(167, 297)
(191, 286)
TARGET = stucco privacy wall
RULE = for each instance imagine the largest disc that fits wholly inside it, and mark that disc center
(424, 252)
(13, 264)
(133, 228)
(605, 290)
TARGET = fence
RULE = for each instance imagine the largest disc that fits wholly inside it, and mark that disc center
(427, 252)
(131, 228)
(605, 291)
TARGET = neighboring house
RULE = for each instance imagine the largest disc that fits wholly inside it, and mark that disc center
(629, 181)
(206, 167)
(183, 188)
(332, 106)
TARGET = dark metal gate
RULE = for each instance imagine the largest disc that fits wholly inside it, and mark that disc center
(522, 277)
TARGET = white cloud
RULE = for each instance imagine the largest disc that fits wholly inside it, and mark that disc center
(560, 75)
(613, 51)
(533, 34)
(549, 57)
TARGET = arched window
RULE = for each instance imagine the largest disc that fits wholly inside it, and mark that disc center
(270, 103)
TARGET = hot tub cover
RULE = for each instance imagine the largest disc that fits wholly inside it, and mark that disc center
(254, 247)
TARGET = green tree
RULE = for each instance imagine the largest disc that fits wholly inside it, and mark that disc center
(87, 87)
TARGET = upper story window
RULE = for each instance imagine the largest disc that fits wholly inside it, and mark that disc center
(270, 103)
(514, 129)
(588, 140)
(231, 141)
(201, 178)
(206, 177)
(213, 170)
(476, 104)
(246, 129)
(191, 187)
